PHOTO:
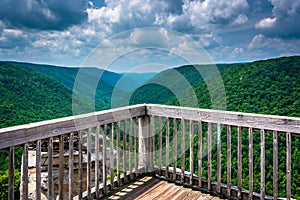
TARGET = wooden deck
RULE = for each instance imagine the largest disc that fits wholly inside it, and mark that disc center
(153, 188)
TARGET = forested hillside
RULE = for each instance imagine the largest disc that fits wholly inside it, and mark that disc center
(28, 97)
(158, 89)
(91, 84)
(266, 87)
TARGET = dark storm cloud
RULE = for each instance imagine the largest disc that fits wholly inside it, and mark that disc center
(284, 21)
(43, 14)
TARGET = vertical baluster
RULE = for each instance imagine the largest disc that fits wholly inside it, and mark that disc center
(275, 164)
(61, 167)
(152, 153)
(136, 141)
(182, 149)
(167, 146)
(200, 153)
(219, 168)
(97, 162)
(250, 163)
(11, 170)
(80, 165)
(50, 169)
(191, 151)
(228, 160)
(118, 154)
(209, 141)
(89, 163)
(104, 174)
(288, 165)
(124, 151)
(130, 147)
(160, 145)
(25, 172)
(175, 149)
(38, 170)
(71, 138)
(262, 164)
(112, 155)
(239, 162)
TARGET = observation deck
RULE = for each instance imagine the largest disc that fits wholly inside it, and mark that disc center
(125, 151)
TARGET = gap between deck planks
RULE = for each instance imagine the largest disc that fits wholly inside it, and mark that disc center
(153, 188)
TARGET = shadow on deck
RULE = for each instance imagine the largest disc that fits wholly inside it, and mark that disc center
(155, 188)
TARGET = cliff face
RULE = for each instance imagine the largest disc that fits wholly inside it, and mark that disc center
(44, 167)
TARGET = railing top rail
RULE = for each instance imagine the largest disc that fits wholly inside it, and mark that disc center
(17, 135)
(255, 121)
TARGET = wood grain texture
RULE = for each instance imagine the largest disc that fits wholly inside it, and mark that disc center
(275, 165)
(236, 119)
(240, 162)
(228, 160)
(25, 172)
(17, 135)
(250, 132)
(262, 165)
(11, 169)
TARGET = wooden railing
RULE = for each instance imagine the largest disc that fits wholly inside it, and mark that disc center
(100, 151)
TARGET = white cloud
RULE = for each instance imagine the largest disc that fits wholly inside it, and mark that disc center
(257, 42)
(241, 19)
(266, 23)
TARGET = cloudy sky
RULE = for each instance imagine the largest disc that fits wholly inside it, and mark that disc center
(66, 32)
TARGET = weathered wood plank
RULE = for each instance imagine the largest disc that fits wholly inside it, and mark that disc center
(174, 149)
(152, 141)
(118, 154)
(17, 135)
(130, 148)
(209, 164)
(80, 143)
(256, 121)
(104, 173)
(228, 160)
(288, 164)
(240, 162)
(160, 145)
(200, 153)
(111, 157)
(136, 141)
(71, 144)
(262, 164)
(11, 169)
(89, 164)
(97, 174)
(145, 143)
(124, 150)
(275, 164)
(38, 170)
(61, 168)
(219, 158)
(25, 172)
(182, 149)
(191, 151)
(250, 163)
(167, 146)
(50, 169)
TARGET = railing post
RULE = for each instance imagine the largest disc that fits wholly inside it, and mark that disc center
(145, 143)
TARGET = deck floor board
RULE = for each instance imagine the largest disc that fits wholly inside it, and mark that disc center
(150, 188)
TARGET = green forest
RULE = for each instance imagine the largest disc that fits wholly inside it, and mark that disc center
(31, 94)
(265, 87)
